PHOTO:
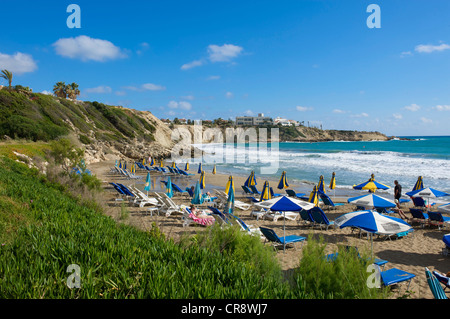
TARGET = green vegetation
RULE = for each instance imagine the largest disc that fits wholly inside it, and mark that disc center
(44, 228)
(8, 76)
(40, 117)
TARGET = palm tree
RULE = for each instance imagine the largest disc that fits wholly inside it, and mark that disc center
(7, 76)
(72, 91)
(60, 89)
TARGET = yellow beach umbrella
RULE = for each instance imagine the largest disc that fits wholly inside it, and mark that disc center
(333, 181)
(283, 181)
(174, 165)
(230, 183)
(314, 196)
(265, 193)
(214, 169)
(161, 164)
(321, 185)
(186, 168)
(202, 180)
(371, 185)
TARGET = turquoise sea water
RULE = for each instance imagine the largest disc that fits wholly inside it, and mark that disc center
(353, 162)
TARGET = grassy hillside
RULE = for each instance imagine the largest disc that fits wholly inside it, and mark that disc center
(40, 117)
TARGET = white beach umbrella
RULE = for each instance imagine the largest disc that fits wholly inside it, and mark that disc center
(371, 201)
(444, 208)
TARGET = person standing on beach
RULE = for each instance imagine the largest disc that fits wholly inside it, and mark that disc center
(397, 195)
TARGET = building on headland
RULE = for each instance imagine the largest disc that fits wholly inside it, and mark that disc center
(285, 122)
(254, 120)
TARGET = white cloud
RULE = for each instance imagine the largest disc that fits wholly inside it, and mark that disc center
(85, 48)
(17, 63)
(249, 113)
(143, 47)
(338, 111)
(397, 116)
(442, 107)
(426, 120)
(223, 53)
(146, 87)
(188, 97)
(214, 77)
(47, 92)
(99, 89)
(192, 64)
(229, 95)
(428, 48)
(412, 107)
(405, 54)
(304, 108)
(181, 105)
(363, 114)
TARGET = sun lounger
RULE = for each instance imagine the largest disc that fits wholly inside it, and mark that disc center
(251, 230)
(419, 202)
(272, 193)
(292, 193)
(394, 276)
(247, 190)
(438, 219)
(170, 206)
(376, 261)
(320, 218)
(435, 286)
(190, 218)
(418, 215)
(306, 217)
(276, 241)
(328, 202)
(254, 190)
(143, 198)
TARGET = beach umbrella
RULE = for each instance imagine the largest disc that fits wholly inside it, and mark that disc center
(314, 196)
(125, 165)
(428, 193)
(419, 184)
(446, 240)
(230, 183)
(373, 222)
(186, 167)
(321, 185)
(214, 169)
(120, 164)
(202, 180)
(116, 163)
(283, 181)
(371, 201)
(371, 185)
(143, 161)
(197, 199)
(199, 171)
(148, 182)
(161, 163)
(174, 165)
(285, 204)
(265, 193)
(333, 181)
(230, 193)
(150, 160)
(251, 180)
(169, 190)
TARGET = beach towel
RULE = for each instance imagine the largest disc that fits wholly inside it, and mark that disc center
(201, 221)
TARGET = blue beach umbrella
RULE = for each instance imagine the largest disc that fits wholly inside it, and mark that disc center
(169, 190)
(199, 171)
(230, 183)
(120, 164)
(197, 199)
(427, 193)
(419, 184)
(333, 181)
(251, 180)
(314, 196)
(202, 180)
(148, 182)
(321, 185)
(371, 201)
(265, 193)
(186, 167)
(282, 184)
(371, 185)
(230, 193)
(152, 162)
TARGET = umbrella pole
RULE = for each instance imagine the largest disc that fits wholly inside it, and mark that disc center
(284, 232)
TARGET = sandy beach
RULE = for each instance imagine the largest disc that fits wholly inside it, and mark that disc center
(422, 248)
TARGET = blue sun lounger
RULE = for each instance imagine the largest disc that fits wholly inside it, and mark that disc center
(254, 190)
(247, 190)
(438, 219)
(273, 238)
(305, 216)
(292, 193)
(320, 218)
(328, 202)
(377, 261)
(394, 276)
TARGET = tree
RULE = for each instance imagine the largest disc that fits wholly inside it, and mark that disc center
(60, 89)
(7, 75)
(72, 91)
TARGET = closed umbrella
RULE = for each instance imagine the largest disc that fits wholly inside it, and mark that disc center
(151, 161)
(265, 193)
(186, 167)
(314, 196)
(321, 185)
(230, 193)
(371, 185)
(251, 180)
(419, 184)
(197, 199)
(285, 204)
(199, 168)
(333, 183)
(283, 181)
(148, 182)
(169, 190)
(161, 164)
(214, 169)
(230, 183)
(202, 180)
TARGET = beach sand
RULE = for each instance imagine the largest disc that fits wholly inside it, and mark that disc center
(422, 248)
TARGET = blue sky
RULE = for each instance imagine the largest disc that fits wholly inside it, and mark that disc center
(315, 61)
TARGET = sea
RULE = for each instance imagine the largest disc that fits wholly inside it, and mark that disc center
(403, 159)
